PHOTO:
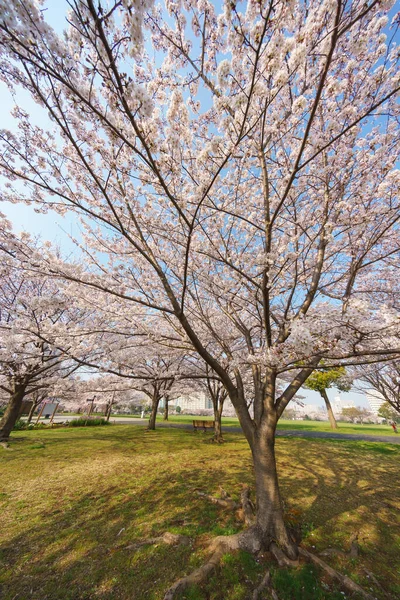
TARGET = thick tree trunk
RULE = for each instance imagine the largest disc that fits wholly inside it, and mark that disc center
(11, 415)
(166, 408)
(270, 526)
(331, 416)
(153, 415)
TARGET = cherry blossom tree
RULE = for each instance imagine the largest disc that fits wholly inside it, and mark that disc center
(383, 379)
(122, 349)
(238, 171)
(29, 366)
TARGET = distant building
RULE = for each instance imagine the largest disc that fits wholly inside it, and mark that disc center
(338, 405)
(375, 400)
(199, 401)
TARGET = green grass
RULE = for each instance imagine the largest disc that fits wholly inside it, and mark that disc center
(226, 421)
(285, 424)
(367, 429)
(88, 422)
(72, 500)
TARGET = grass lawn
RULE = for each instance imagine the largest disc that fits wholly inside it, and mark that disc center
(72, 500)
(286, 424)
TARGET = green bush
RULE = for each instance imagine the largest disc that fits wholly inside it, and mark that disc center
(20, 425)
(87, 422)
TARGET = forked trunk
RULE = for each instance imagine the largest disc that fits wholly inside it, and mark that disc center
(270, 524)
(331, 416)
(153, 415)
(11, 415)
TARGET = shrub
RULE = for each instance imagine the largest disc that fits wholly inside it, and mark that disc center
(20, 425)
(88, 422)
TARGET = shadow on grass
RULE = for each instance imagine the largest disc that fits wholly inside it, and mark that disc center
(75, 548)
(72, 546)
(343, 493)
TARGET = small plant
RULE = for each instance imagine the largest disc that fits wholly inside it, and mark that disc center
(20, 425)
(88, 422)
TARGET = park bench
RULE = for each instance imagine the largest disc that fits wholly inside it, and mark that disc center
(204, 424)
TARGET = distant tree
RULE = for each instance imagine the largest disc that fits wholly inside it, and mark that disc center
(387, 412)
(384, 379)
(323, 379)
(355, 413)
(30, 367)
(365, 415)
(289, 413)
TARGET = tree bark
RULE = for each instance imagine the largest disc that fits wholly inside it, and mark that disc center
(12, 411)
(218, 423)
(270, 526)
(153, 415)
(32, 411)
(331, 416)
(166, 408)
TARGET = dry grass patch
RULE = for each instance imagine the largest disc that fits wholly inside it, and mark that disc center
(72, 500)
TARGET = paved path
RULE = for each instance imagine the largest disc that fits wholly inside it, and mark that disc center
(327, 435)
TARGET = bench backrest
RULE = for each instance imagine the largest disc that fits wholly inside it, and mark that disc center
(198, 423)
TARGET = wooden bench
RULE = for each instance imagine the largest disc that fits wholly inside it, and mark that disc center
(204, 424)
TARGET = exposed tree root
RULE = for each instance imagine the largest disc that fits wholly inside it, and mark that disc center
(266, 583)
(198, 576)
(217, 440)
(353, 552)
(245, 508)
(171, 539)
(251, 541)
(5, 444)
(246, 540)
(345, 581)
(281, 558)
(375, 581)
(226, 501)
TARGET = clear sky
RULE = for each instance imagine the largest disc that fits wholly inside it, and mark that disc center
(58, 229)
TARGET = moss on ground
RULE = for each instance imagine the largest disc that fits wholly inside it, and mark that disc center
(72, 500)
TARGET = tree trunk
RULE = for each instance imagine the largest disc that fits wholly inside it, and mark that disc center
(270, 526)
(331, 416)
(108, 412)
(32, 412)
(154, 408)
(166, 408)
(11, 415)
(218, 425)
